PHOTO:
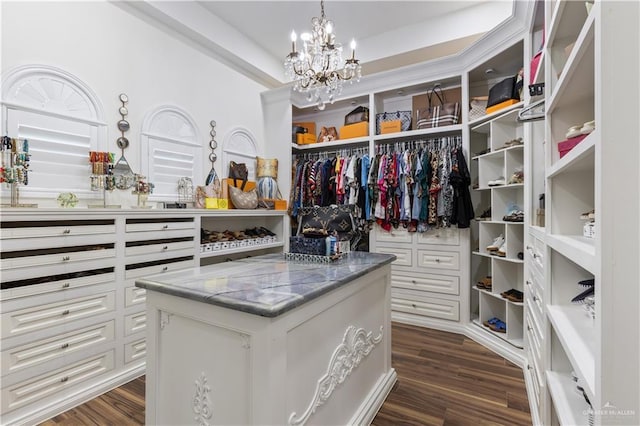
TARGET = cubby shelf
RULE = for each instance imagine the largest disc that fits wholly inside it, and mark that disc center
(490, 256)
(515, 342)
(498, 151)
(577, 334)
(578, 249)
(577, 71)
(581, 157)
(497, 296)
(570, 406)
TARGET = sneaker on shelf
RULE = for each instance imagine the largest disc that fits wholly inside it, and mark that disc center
(590, 291)
(516, 177)
(497, 243)
(485, 215)
(502, 251)
(514, 216)
(588, 127)
(588, 215)
(573, 132)
(497, 181)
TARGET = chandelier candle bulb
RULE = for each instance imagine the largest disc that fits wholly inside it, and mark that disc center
(353, 49)
(293, 41)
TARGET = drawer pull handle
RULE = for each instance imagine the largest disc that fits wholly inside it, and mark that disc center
(66, 285)
(437, 260)
(413, 305)
(65, 312)
(535, 298)
(66, 231)
(64, 346)
(529, 367)
(64, 379)
(529, 328)
(66, 258)
(165, 227)
(413, 282)
(529, 247)
(165, 248)
(528, 282)
(166, 268)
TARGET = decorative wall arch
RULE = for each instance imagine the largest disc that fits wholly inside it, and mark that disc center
(170, 149)
(239, 145)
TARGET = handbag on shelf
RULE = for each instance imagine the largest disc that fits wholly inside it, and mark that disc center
(238, 172)
(243, 200)
(503, 91)
(403, 116)
(359, 114)
(477, 107)
(327, 220)
(438, 114)
(328, 134)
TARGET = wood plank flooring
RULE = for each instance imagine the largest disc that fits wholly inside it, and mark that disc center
(443, 379)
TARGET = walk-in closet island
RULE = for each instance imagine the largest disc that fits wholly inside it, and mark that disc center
(270, 340)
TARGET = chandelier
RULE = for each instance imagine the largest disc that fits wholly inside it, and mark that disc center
(318, 68)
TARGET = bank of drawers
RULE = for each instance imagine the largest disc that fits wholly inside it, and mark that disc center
(534, 312)
(425, 276)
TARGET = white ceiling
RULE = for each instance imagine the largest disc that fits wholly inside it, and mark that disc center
(253, 36)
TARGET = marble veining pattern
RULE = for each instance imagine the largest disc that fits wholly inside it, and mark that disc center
(265, 285)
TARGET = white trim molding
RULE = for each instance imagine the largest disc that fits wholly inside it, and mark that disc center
(356, 345)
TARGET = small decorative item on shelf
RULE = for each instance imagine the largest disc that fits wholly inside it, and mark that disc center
(123, 176)
(14, 170)
(101, 177)
(267, 185)
(328, 134)
(185, 190)
(67, 199)
(142, 189)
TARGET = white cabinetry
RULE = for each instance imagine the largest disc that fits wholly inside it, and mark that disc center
(73, 324)
(500, 190)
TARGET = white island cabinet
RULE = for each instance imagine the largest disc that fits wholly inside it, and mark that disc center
(270, 341)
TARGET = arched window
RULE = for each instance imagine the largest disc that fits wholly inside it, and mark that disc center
(170, 149)
(62, 119)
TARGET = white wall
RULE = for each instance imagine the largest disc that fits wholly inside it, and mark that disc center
(114, 51)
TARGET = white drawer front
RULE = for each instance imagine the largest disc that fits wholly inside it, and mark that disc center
(59, 285)
(158, 226)
(56, 259)
(134, 296)
(158, 269)
(431, 307)
(135, 323)
(160, 248)
(427, 282)
(45, 350)
(444, 236)
(47, 384)
(135, 351)
(399, 235)
(52, 314)
(63, 229)
(439, 259)
(534, 337)
(404, 255)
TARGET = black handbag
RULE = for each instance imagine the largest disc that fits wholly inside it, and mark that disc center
(359, 114)
(326, 220)
(503, 91)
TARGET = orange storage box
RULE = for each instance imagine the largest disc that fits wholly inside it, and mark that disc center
(501, 105)
(305, 138)
(393, 126)
(225, 189)
(309, 125)
(355, 130)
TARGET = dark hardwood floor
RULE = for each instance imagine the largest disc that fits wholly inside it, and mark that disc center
(443, 379)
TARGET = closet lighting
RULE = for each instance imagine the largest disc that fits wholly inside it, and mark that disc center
(318, 68)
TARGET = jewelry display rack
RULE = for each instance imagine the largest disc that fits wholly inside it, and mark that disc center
(15, 167)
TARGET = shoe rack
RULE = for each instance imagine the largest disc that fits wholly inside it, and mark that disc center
(498, 163)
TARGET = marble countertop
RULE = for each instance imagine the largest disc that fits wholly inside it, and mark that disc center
(265, 285)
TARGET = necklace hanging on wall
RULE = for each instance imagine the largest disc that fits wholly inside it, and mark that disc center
(124, 176)
(212, 178)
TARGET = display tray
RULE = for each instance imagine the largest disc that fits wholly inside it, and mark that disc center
(313, 258)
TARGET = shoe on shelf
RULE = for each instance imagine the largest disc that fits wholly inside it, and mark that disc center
(516, 177)
(491, 321)
(573, 132)
(514, 216)
(587, 283)
(502, 251)
(499, 326)
(485, 283)
(505, 294)
(485, 215)
(497, 181)
(497, 243)
(588, 215)
(484, 151)
(516, 296)
(580, 298)
(588, 127)
(513, 142)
